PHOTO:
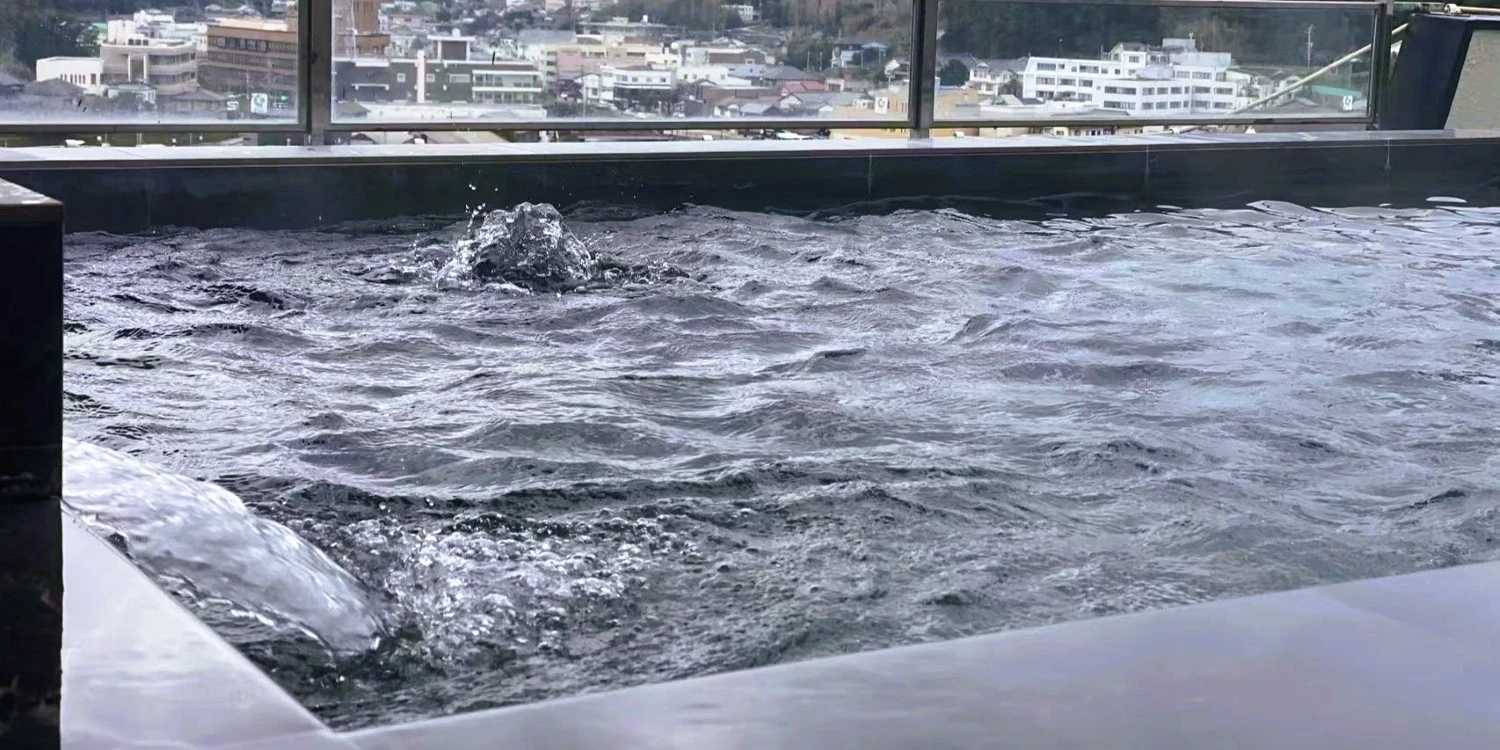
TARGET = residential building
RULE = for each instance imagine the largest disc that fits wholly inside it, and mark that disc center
(127, 54)
(356, 29)
(857, 53)
(630, 87)
(697, 54)
(745, 11)
(1175, 78)
(619, 30)
(425, 80)
(995, 77)
(893, 103)
(86, 73)
(252, 56)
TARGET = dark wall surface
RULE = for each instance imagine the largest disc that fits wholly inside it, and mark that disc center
(30, 469)
(300, 188)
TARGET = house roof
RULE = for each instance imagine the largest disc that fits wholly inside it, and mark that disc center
(797, 87)
(863, 41)
(787, 73)
(198, 95)
(819, 98)
(545, 36)
(53, 87)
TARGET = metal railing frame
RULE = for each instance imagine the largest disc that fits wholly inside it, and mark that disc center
(316, 117)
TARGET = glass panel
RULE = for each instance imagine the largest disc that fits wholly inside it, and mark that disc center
(62, 62)
(638, 60)
(1022, 61)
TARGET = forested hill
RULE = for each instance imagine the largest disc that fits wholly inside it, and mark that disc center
(1253, 35)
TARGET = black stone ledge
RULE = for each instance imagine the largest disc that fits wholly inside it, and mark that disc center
(31, 585)
(139, 189)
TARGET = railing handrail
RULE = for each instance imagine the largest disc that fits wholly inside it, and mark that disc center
(316, 113)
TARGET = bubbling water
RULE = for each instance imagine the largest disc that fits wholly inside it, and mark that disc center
(530, 249)
(201, 540)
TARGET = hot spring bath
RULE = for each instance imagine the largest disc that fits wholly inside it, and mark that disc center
(720, 440)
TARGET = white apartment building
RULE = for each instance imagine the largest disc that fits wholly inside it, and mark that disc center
(128, 54)
(719, 75)
(507, 83)
(85, 72)
(166, 26)
(1173, 79)
(619, 85)
(745, 11)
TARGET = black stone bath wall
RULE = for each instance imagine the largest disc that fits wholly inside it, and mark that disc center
(31, 233)
(133, 190)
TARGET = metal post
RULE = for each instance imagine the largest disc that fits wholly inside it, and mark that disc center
(1380, 61)
(317, 50)
(922, 84)
(31, 292)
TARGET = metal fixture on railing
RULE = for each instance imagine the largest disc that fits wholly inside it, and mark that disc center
(316, 111)
(1309, 78)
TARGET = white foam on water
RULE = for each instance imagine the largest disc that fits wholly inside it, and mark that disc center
(201, 535)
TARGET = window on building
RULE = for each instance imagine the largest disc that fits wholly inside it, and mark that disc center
(400, 78)
(1200, 90)
(458, 78)
(1202, 76)
(1046, 66)
(432, 78)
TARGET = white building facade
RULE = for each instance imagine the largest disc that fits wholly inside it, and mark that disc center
(85, 72)
(1174, 79)
(129, 55)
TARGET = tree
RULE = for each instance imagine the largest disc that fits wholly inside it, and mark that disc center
(732, 20)
(954, 73)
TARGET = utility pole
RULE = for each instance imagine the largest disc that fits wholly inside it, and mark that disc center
(1309, 45)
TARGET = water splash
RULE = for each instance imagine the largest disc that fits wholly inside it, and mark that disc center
(488, 588)
(200, 537)
(528, 247)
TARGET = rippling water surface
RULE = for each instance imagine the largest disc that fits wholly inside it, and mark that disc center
(811, 437)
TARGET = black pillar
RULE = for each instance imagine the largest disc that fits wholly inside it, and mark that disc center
(30, 468)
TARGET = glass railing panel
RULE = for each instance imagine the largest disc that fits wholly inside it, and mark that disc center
(664, 68)
(88, 65)
(1092, 68)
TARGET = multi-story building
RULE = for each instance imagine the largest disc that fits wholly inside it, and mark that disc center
(356, 29)
(994, 77)
(127, 55)
(447, 72)
(86, 73)
(699, 54)
(619, 30)
(252, 56)
(1172, 79)
(630, 87)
